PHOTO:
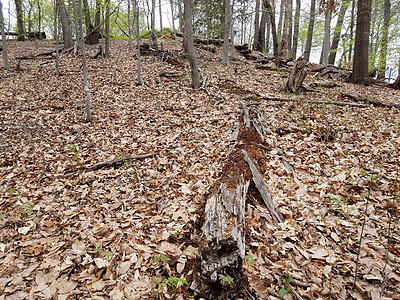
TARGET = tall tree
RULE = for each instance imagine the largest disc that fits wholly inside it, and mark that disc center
(138, 41)
(271, 13)
(256, 24)
(296, 29)
(384, 40)
(338, 28)
(190, 44)
(3, 38)
(56, 34)
(310, 31)
(107, 30)
(225, 57)
(85, 81)
(286, 30)
(20, 20)
(280, 20)
(65, 24)
(160, 11)
(360, 64)
(261, 30)
(353, 5)
(173, 20)
(129, 26)
(327, 7)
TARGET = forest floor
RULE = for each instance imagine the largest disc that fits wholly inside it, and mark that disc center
(71, 232)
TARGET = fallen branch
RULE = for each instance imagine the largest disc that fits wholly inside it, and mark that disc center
(371, 101)
(115, 163)
(314, 101)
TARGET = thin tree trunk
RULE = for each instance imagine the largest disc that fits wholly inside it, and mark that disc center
(85, 81)
(285, 33)
(190, 44)
(360, 65)
(20, 20)
(261, 30)
(173, 21)
(56, 35)
(86, 12)
(256, 24)
(310, 31)
(280, 21)
(327, 35)
(384, 41)
(138, 41)
(181, 17)
(338, 28)
(353, 6)
(3, 38)
(231, 23)
(161, 26)
(296, 29)
(225, 57)
(290, 36)
(65, 24)
(268, 33)
(270, 10)
(129, 26)
(153, 14)
(107, 30)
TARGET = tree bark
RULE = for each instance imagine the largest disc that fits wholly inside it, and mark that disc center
(295, 80)
(256, 24)
(225, 57)
(338, 28)
(280, 20)
(138, 41)
(107, 30)
(20, 20)
(3, 38)
(160, 11)
(384, 40)
(173, 20)
(190, 44)
(296, 29)
(261, 30)
(307, 50)
(360, 65)
(65, 25)
(327, 34)
(285, 33)
(353, 6)
(271, 13)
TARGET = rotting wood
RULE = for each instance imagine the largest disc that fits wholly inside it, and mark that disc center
(114, 163)
(262, 188)
(295, 80)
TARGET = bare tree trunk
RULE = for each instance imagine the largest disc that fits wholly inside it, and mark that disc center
(161, 26)
(327, 34)
(268, 33)
(351, 29)
(153, 14)
(65, 24)
(20, 20)
(307, 51)
(138, 41)
(261, 30)
(360, 65)
(231, 22)
(285, 33)
(256, 25)
(338, 28)
(129, 26)
(181, 17)
(56, 35)
(190, 44)
(225, 57)
(296, 29)
(280, 21)
(384, 41)
(107, 30)
(3, 38)
(85, 81)
(270, 10)
(173, 21)
(86, 12)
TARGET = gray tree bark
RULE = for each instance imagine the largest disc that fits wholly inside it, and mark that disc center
(160, 11)
(296, 29)
(256, 24)
(65, 25)
(3, 38)
(338, 28)
(138, 41)
(225, 57)
(271, 13)
(353, 5)
(384, 40)
(190, 44)
(107, 30)
(310, 31)
(20, 20)
(360, 64)
(285, 32)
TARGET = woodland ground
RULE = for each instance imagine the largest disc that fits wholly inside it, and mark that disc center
(109, 233)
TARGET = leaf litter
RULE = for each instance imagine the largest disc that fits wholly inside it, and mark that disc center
(111, 232)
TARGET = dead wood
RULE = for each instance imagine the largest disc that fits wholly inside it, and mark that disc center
(98, 53)
(222, 245)
(114, 163)
(339, 103)
(295, 80)
(396, 84)
(360, 98)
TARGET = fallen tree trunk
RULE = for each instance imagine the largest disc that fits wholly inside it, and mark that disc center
(222, 245)
(360, 98)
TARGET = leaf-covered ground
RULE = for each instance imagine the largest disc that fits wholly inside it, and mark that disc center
(116, 233)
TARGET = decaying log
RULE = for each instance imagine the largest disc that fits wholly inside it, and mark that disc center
(222, 244)
(295, 80)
